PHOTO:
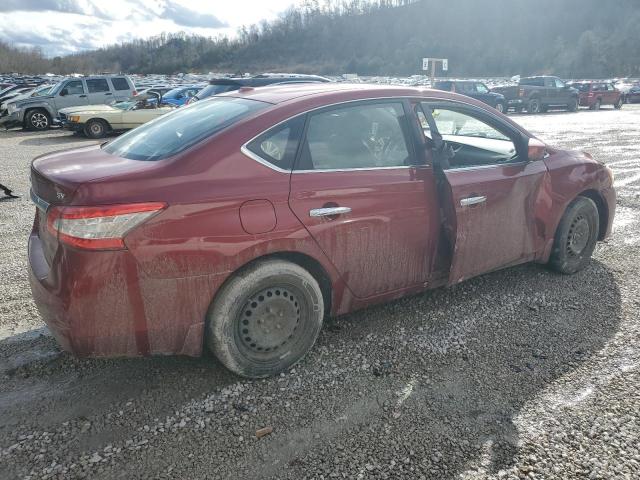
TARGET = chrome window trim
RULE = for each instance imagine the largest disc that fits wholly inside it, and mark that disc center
(245, 150)
(39, 202)
(483, 167)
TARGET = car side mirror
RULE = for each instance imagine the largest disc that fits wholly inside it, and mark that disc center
(536, 149)
(64, 92)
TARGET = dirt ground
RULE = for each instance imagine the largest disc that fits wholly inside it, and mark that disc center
(521, 373)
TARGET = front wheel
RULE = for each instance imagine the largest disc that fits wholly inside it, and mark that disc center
(265, 318)
(96, 128)
(618, 104)
(576, 237)
(38, 119)
(501, 107)
(573, 105)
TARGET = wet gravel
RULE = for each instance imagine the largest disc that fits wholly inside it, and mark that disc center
(517, 374)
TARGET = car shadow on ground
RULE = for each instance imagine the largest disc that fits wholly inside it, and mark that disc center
(59, 140)
(465, 360)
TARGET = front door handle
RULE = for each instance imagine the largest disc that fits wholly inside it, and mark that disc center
(328, 212)
(83, 96)
(467, 202)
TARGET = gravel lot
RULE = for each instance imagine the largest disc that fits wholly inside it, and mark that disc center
(517, 374)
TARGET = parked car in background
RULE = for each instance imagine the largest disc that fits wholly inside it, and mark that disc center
(538, 94)
(180, 95)
(40, 112)
(10, 90)
(236, 223)
(98, 121)
(473, 89)
(152, 93)
(595, 94)
(222, 85)
(633, 95)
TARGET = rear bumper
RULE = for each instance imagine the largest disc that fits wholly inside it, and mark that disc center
(99, 304)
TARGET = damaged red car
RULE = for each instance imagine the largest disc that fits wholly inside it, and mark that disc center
(238, 223)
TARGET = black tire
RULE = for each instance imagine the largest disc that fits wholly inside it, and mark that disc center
(597, 105)
(37, 119)
(573, 105)
(618, 104)
(534, 106)
(265, 318)
(576, 237)
(96, 128)
(501, 107)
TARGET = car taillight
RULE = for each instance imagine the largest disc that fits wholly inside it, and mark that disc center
(521, 92)
(590, 94)
(134, 93)
(99, 228)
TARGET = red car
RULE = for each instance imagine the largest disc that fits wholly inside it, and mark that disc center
(596, 94)
(239, 222)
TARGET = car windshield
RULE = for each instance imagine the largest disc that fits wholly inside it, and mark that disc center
(43, 90)
(216, 89)
(128, 105)
(7, 89)
(171, 134)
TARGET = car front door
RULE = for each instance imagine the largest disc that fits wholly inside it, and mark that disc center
(493, 190)
(72, 94)
(366, 196)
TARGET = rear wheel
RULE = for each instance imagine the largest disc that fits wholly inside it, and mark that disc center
(597, 105)
(576, 237)
(96, 128)
(534, 106)
(501, 107)
(38, 119)
(265, 318)
(618, 104)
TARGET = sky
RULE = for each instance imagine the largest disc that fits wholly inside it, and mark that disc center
(60, 27)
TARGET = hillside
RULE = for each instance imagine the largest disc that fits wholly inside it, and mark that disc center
(571, 38)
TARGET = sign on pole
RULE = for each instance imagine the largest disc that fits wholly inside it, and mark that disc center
(425, 64)
(445, 64)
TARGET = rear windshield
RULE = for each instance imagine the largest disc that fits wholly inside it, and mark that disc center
(217, 89)
(179, 130)
(583, 87)
(535, 82)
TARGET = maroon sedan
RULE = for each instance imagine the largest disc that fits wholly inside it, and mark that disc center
(239, 222)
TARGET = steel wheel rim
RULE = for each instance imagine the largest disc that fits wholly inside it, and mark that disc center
(95, 128)
(39, 120)
(535, 106)
(578, 237)
(269, 322)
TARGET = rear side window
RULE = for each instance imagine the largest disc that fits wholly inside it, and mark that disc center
(120, 83)
(172, 133)
(535, 82)
(97, 85)
(278, 145)
(363, 136)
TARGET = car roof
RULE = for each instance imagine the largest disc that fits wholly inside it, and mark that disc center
(276, 94)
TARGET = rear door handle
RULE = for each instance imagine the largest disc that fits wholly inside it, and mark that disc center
(83, 96)
(466, 202)
(108, 93)
(328, 212)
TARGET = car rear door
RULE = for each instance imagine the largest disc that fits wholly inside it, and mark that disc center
(493, 190)
(99, 91)
(366, 196)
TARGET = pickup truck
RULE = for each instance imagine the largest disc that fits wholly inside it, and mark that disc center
(538, 94)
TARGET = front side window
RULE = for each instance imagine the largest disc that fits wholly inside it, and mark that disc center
(474, 142)
(559, 83)
(171, 134)
(74, 87)
(482, 88)
(278, 145)
(97, 85)
(362, 136)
